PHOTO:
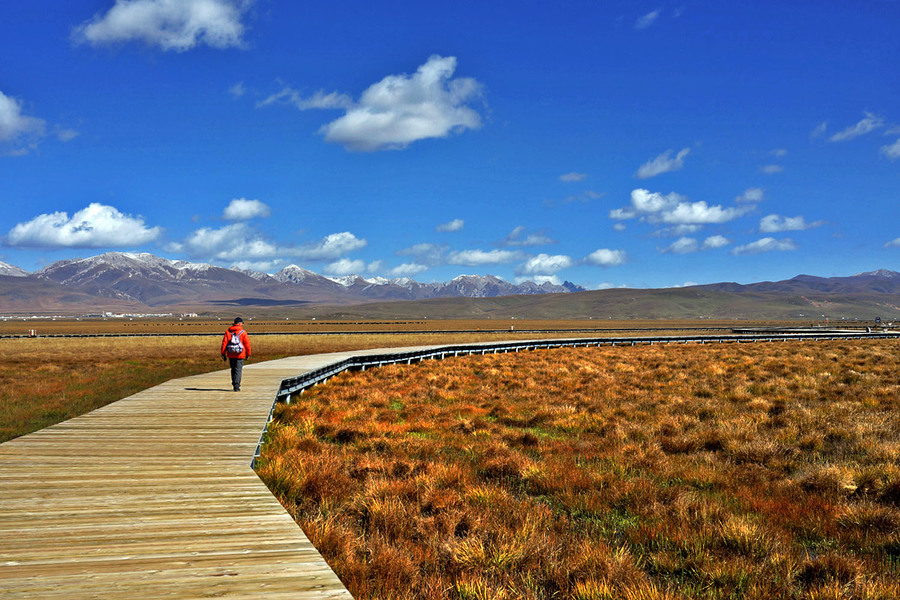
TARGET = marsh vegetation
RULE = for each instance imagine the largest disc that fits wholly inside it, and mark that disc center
(726, 471)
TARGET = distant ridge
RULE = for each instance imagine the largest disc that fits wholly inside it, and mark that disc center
(146, 279)
(141, 282)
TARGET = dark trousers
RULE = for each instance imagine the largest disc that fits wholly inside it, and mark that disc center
(237, 365)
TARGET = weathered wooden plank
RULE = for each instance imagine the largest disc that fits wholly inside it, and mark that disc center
(153, 496)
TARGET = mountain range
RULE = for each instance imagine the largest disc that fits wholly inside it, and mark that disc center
(131, 280)
(144, 283)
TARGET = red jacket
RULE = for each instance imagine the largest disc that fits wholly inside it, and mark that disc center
(237, 328)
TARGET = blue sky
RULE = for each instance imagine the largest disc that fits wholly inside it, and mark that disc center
(620, 143)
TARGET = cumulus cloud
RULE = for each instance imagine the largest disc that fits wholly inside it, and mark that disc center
(407, 270)
(892, 151)
(776, 223)
(454, 225)
(771, 169)
(517, 238)
(235, 242)
(674, 209)
(893, 243)
(177, 25)
(688, 245)
(683, 245)
(96, 226)
(767, 244)
(715, 241)
(241, 209)
(240, 242)
(402, 109)
(545, 264)
(868, 124)
(664, 163)
(19, 131)
(344, 266)
(754, 195)
(779, 152)
(331, 247)
(572, 177)
(475, 258)
(604, 257)
(647, 20)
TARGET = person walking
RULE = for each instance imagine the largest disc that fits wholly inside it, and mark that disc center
(236, 349)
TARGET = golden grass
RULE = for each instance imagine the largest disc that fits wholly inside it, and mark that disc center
(48, 380)
(731, 471)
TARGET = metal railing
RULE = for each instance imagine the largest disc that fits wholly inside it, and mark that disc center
(294, 386)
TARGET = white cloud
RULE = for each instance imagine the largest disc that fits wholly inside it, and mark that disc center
(545, 264)
(868, 124)
(683, 229)
(331, 247)
(779, 153)
(819, 131)
(429, 254)
(754, 195)
(687, 245)
(16, 127)
(344, 266)
(645, 201)
(241, 209)
(664, 163)
(893, 243)
(771, 169)
(648, 19)
(454, 225)
(240, 242)
(620, 227)
(515, 239)
(892, 151)
(767, 244)
(319, 100)
(683, 245)
(606, 258)
(407, 270)
(177, 25)
(715, 241)
(776, 223)
(235, 242)
(402, 109)
(475, 258)
(66, 135)
(238, 89)
(572, 177)
(674, 209)
(699, 213)
(96, 226)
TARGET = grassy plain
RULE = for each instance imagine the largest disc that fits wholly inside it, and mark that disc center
(751, 471)
(46, 380)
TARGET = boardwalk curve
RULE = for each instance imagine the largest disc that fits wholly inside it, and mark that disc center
(153, 497)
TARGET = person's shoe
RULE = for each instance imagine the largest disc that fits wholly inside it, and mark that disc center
(237, 389)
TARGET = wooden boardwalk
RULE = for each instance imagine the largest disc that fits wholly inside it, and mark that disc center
(153, 497)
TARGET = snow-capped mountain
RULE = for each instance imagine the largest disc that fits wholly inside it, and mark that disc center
(8, 270)
(156, 281)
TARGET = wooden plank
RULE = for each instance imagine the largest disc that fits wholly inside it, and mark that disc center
(153, 496)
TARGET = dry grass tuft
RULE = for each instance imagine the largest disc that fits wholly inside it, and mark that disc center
(646, 472)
